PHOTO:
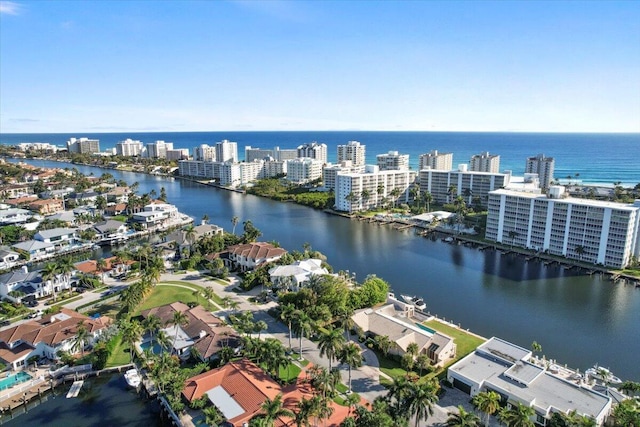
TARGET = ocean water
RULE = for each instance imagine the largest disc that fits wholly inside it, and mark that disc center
(588, 158)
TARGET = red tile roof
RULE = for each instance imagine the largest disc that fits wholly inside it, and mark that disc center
(258, 250)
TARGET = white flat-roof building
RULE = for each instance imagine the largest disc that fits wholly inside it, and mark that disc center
(353, 151)
(204, 152)
(485, 162)
(393, 161)
(129, 148)
(543, 166)
(373, 188)
(304, 170)
(505, 368)
(436, 160)
(330, 172)
(313, 150)
(83, 145)
(593, 231)
(469, 184)
(158, 149)
(199, 169)
(226, 151)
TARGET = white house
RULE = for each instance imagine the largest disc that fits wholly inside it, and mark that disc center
(297, 274)
(34, 249)
(8, 258)
(111, 230)
(60, 238)
(30, 283)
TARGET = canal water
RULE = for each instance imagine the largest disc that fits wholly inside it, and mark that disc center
(578, 319)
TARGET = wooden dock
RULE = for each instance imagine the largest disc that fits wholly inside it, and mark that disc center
(75, 389)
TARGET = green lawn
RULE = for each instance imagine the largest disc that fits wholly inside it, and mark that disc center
(465, 342)
(162, 295)
(120, 355)
(216, 298)
(289, 373)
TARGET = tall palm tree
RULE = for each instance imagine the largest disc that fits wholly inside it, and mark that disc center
(152, 324)
(302, 325)
(421, 398)
(428, 199)
(462, 418)
(487, 402)
(82, 338)
(190, 236)
(101, 266)
(209, 294)
(50, 273)
(179, 319)
(260, 326)
(65, 268)
(234, 221)
(286, 315)
(163, 340)
(352, 356)
(330, 343)
(518, 415)
(131, 333)
(273, 409)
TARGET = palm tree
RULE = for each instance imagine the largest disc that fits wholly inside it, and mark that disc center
(190, 236)
(518, 415)
(82, 337)
(286, 315)
(50, 272)
(487, 402)
(131, 333)
(303, 325)
(330, 343)
(428, 198)
(209, 294)
(179, 319)
(101, 265)
(352, 356)
(274, 409)
(260, 326)
(152, 324)
(536, 347)
(234, 221)
(384, 344)
(65, 267)
(163, 339)
(462, 418)
(421, 398)
(212, 416)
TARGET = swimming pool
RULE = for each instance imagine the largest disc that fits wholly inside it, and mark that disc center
(14, 379)
(153, 345)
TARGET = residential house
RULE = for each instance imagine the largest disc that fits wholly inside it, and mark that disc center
(8, 258)
(507, 369)
(13, 191)
(68, 217)
(249, 256)
(46, 337)
(156, 214)
(116, 209)
(14, 216)
(203, 331)
(112, 266)
(22, 200)
(111, 231)
(47, 206)
(88, 197)
(238, 389)
(118, 195)
(34, 249)
(387, 321)
(30, 284)
(60, 238)
(181, 237)
(296, 275)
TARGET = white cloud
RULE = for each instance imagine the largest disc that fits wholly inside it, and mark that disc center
(10, 8)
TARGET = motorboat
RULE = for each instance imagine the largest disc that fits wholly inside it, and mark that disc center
(415, 301)
(602, 374)
(132, 377)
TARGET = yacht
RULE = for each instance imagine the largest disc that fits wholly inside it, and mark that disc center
(132, 378)
(602, 374)
(415, 301)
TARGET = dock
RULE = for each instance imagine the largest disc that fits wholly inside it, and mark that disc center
(75, 389)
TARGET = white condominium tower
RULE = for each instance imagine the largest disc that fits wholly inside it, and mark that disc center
(227, 151)
(158, 149)
(313, 150)
(393, 161)
(485, 162)
(129, 148)
(353, 151)
(435, 160)
(204, 152)
(592, 231)
(83, 145)
(543, 166)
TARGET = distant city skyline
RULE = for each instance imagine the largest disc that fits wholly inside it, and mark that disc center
(136, 66)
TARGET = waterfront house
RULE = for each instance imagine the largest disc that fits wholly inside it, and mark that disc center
(249, 256)
(181, 238)
(203, 331)
(116, 209)
(60, 238)
(85, 198)
(22, 200)
(110, 231)
(297, 275)
(34, 250)
(387, 321)
(68, 217)
(47, 206)
(156, 214)
(46, 337)
(13, 191)
(118, 195)
(506, 369)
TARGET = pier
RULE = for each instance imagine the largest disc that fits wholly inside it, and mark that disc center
(75, 389)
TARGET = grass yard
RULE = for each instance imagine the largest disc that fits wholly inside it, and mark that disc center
(289, 373)
(216, 298)
(161, 295)
(120, 354)
(465, 342)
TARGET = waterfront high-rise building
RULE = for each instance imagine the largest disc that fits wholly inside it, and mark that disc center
(129, 148)
(83, 145)
(592, 231)
(543, 166)
(313, 150)
(393, 161)
(254, 153)
(330, 172)
(485, 162)
(373, 188)
(445, 186)
(158, 149)
(227, 151)
(353, 151)
(204, 152)
(435, 160)
(303, 170)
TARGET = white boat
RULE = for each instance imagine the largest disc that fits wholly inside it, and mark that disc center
(602, 374)
(132, 378)
(415, 301)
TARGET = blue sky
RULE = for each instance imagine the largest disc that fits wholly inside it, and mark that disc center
(90, 66)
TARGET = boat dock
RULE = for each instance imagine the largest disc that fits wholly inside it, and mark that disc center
(75, 389)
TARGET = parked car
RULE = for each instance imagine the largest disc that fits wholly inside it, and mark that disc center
(4, 323)
(31, 303)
